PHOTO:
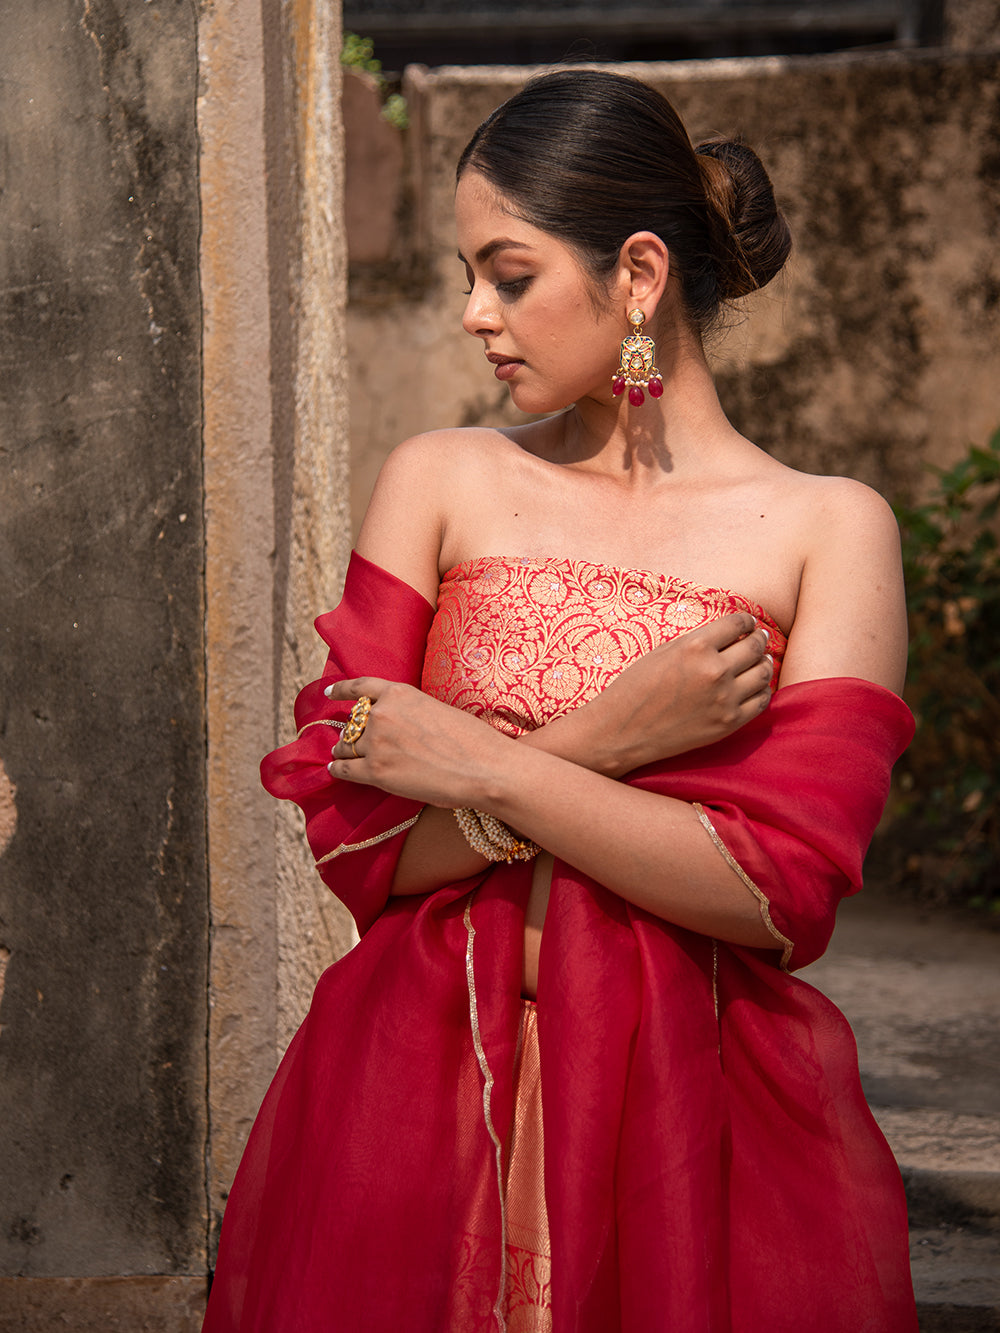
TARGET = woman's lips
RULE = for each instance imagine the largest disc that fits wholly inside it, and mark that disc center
(504, 367)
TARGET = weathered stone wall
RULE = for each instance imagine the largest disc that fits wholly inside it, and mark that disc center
(173, 513)
(103, 887)
(878, 350)
(972, 25)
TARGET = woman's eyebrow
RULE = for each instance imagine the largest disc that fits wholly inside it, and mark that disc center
(490, 249)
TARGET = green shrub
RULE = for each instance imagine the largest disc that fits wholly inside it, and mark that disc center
(359, 53)
(947, 807)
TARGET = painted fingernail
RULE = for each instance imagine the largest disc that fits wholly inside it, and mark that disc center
(329, 769)
(769, 658)
(766, 632)
(328, 691)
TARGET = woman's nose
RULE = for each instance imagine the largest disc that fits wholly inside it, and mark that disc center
(482, 315)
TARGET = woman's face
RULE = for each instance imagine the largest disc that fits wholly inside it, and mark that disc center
(551, 334)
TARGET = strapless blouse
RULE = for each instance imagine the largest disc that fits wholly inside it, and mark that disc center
(521, 640)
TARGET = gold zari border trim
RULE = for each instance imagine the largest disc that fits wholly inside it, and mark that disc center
(762, 900)
(487, 1073)
(368, 842)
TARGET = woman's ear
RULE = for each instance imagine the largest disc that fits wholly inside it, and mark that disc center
(643, 270)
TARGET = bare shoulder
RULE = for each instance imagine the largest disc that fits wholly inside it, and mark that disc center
(840, 507)
(851, 614)
(420, 483)
(434, 453)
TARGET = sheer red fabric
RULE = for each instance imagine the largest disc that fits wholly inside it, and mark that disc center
(711, 1164)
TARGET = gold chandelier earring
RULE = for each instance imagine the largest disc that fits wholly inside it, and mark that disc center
(636, 371)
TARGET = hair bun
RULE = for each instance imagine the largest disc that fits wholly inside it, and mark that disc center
(753, 236)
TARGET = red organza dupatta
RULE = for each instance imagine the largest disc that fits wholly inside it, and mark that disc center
(366, 1197)
(711, 1164)
(379, 629)
(735, 1177)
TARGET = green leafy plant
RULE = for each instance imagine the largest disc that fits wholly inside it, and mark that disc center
(359, 53)
(948, 783)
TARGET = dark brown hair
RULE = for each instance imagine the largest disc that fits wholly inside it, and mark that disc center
(592, 157)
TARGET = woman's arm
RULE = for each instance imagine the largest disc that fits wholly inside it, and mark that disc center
(689, 692)
(650, 849)
(851, 613)
(682, 695)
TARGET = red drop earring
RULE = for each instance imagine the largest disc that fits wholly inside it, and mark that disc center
(636, 371)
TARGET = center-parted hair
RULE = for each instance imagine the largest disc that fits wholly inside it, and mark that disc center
(592, 157)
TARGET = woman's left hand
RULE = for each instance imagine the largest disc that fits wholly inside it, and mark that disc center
(416, 746)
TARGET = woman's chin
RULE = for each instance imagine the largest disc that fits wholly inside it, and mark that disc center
(538, 403)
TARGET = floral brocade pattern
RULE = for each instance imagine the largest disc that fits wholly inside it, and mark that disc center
(519, 641)
(527, 1303)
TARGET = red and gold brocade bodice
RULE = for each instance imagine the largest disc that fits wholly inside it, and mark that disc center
(521, 640)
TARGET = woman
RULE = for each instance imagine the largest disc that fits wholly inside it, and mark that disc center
(589, 904)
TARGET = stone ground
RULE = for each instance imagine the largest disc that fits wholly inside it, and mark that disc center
(922, 992)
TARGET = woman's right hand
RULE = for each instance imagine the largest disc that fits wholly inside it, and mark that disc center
(689, 692)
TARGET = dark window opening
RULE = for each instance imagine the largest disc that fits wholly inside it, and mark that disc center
(479, 32)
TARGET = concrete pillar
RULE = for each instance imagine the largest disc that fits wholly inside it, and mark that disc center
(273, 274)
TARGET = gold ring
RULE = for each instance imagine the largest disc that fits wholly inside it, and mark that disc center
(358, 720)
(355, 749)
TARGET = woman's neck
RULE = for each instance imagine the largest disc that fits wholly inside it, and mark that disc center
(678, 432)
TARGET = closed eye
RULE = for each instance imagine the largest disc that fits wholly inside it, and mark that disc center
(515, 287)
(509, 290)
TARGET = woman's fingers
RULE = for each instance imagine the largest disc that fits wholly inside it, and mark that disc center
(727, 630)
(748, 647)
(758, 670)
(737, 635)
(362, 686)
(755, 680)
(350, 750)
(360, 690)
(752, 666)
